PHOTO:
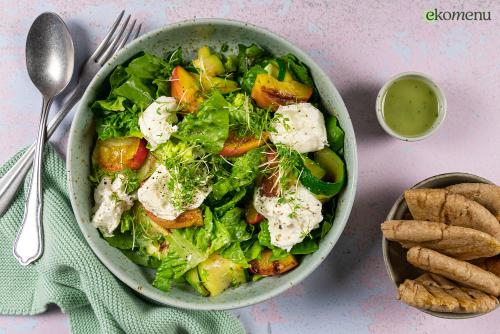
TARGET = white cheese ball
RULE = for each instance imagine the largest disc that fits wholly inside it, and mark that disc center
(291, 216)
(300, 126)
(156, 197)
(156, 122)
(111, 201)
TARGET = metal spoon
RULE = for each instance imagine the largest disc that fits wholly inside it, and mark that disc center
(50, 58)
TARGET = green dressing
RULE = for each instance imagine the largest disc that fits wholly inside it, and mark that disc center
(410, 107)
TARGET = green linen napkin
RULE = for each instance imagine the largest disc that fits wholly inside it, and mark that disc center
(69, 275)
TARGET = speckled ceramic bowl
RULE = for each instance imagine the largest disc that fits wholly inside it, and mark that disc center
(395, 255)
(190, 35)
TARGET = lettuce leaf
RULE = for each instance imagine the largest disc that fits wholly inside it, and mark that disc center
(111, 124)
(299, 69)
(253, 251)
(248, 79)
(264, 238)
(146, 67)
(248, 56)
(188, 247)
(209, 127)
(234, 253)
(120, 240)
(301, 73)
(183, 254)
(231, 203)
(135, 90)
(127, 221)
(114, 104)
(141, 259)
(234, 223)
(244, 171)
(334, 133)
(307, 246)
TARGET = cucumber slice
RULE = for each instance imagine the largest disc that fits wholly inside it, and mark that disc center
(335, 172)
(334, 134)
(193, 278)
(315, 169)
(217, 274)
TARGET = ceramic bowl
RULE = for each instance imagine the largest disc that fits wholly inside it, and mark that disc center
(395, 255)
(441, 99)
(190, 35)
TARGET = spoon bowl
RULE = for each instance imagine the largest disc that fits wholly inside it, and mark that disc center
(49, 54)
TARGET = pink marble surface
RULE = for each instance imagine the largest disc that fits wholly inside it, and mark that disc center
(360, 45)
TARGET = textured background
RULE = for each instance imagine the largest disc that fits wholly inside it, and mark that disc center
(360, 46)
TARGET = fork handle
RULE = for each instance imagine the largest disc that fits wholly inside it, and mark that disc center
(14, 178)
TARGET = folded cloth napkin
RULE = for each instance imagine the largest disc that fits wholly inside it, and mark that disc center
(69, 275)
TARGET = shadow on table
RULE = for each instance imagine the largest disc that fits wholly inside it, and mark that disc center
(360, 102)
(83, 48)
(358, 252)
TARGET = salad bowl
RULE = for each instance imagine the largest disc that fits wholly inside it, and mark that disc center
(191, 35)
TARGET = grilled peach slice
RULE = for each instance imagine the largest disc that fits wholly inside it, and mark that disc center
(252, 216)
(188, 218)
(268, 91)
(116, 154)
(208, 63)
(185, 88)
(265, 267)
(235, 146)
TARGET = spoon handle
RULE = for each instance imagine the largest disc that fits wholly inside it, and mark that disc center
(14, 178)
(28, 245)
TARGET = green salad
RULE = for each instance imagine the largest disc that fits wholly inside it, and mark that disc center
(215, 170)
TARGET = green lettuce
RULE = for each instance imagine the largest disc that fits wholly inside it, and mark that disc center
(189, 247)
(121, 240)
(253, 251)
(113, 104)
(127, 221)
(111, 124)
(133, 88)
(248, 79)
(146, 67)
(235, 224)
(307, 246)
(299, 70)
(118, 76)
(171, 149)
(264, 238)
(335, 134)
(234, 253)
(244, 171)
(232, 202)
(142, 259)
(248, 56)
(209, 127)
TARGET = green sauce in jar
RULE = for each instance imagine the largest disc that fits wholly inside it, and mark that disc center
(410, 106)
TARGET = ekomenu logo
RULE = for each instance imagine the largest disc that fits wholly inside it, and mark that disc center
(438, 15)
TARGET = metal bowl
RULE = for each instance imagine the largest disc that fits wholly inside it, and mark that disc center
(395, 255)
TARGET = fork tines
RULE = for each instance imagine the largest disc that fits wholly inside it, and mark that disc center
(113, 42)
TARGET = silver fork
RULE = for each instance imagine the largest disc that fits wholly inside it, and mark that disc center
(12, 180)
